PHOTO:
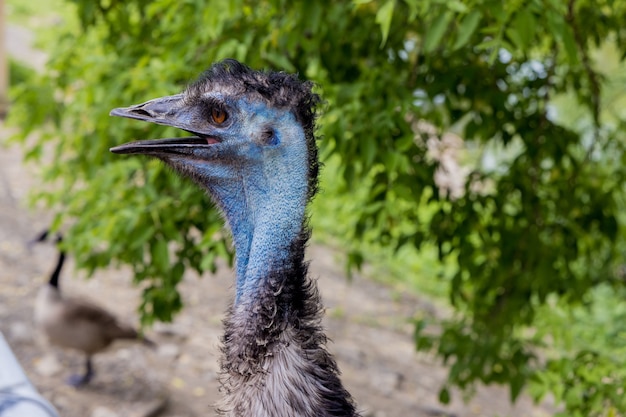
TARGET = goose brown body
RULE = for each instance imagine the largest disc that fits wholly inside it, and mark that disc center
(77, 323)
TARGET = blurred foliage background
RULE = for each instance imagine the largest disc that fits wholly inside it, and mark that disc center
(473, 150)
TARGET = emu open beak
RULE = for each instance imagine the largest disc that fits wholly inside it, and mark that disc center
(169, 111)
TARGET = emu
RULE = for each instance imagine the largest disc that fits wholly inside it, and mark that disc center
(253, 149)
(76, 323)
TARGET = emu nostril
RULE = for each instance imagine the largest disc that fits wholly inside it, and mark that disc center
(142, 112)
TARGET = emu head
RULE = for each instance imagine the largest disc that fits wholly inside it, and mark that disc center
(245, 123)
(253, 148)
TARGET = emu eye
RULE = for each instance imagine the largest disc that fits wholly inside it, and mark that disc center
(218, 115)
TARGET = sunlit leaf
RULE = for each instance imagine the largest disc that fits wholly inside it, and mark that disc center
(384, 17)
(435, 32)
(468, 26)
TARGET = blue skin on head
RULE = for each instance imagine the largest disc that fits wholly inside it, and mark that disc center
(258, 177)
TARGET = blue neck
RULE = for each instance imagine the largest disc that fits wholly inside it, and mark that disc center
(265, 208)
(231, 200)
(263, 237)
(270, 249)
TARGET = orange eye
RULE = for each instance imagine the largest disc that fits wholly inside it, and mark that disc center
(218, 115)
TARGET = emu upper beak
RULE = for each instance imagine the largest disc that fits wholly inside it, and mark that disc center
(168, 111)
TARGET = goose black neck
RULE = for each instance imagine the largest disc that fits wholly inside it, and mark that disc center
(54, 277)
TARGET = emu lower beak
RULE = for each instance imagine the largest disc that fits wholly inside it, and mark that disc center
(181, 146)
(168, 111)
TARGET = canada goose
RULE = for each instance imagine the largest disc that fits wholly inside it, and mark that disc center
(77, 323)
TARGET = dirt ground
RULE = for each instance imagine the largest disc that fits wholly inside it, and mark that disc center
(369, 325)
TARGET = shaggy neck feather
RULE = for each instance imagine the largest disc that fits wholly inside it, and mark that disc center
(274, 357)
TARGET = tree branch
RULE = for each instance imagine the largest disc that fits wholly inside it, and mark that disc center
(594, 82)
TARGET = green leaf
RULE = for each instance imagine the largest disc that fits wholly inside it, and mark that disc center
(522, 30)
(383, 18)
(279, 61)
(517, 384)
(570, 45)
(563, 32)
(369, 149)
(467, 28)
(160, 255)
(444, 395)
(456, 6)
(435, 32)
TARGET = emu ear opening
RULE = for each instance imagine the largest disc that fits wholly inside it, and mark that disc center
(268, 137)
